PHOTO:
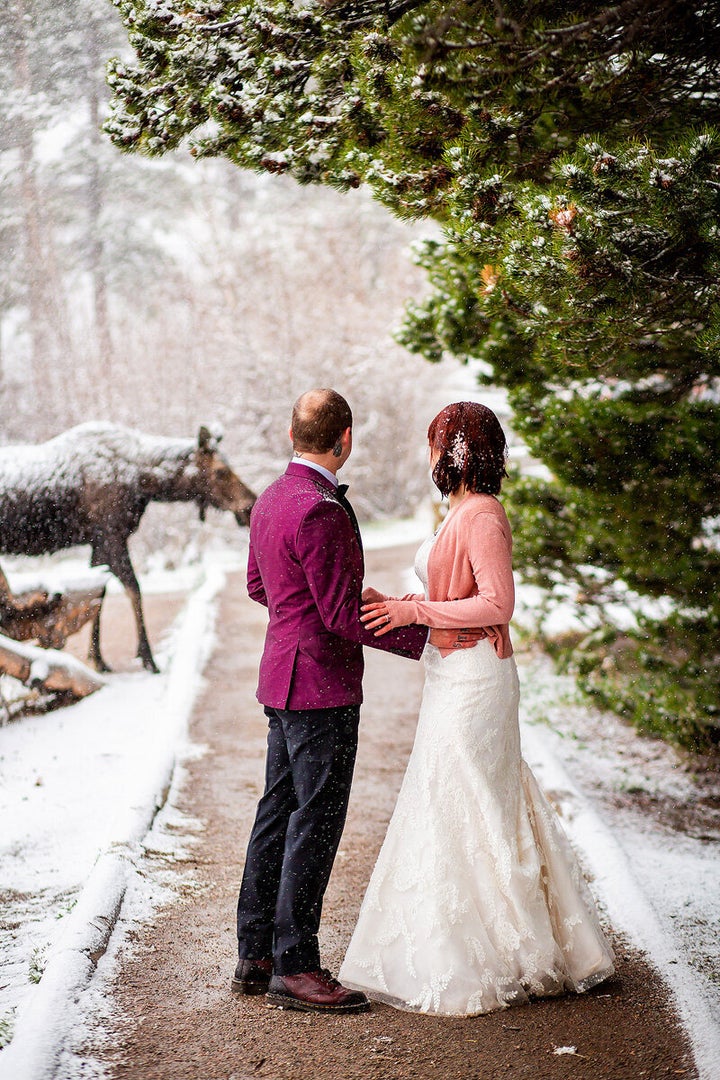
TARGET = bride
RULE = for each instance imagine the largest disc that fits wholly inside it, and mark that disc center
(476, 901)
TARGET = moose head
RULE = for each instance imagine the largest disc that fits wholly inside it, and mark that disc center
(218, 485)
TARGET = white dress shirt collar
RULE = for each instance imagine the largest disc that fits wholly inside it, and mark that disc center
(318, 468)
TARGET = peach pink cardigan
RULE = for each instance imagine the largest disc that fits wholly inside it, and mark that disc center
(470, 580)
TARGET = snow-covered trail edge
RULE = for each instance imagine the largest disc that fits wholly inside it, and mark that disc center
(44, 1023)
(630, 910)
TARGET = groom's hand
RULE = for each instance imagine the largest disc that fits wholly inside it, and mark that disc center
(456, 639)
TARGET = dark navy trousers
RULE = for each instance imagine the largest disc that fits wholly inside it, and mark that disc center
(297, 830)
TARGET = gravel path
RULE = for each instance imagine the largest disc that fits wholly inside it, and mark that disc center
(174, 1017)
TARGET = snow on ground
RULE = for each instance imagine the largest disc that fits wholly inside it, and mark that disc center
(385, 534)
(79, 789)
(659, 885)
(65, 871)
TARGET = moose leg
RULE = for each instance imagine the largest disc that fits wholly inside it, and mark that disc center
(94, 655)
(119, 563)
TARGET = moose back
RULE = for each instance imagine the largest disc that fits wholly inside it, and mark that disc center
(92, 484)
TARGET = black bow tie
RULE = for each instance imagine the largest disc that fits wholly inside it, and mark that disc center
(342, 490)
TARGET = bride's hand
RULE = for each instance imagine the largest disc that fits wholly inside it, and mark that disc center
(380, 617)
(372, 596)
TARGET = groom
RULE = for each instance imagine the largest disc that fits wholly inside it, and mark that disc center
(306, 566)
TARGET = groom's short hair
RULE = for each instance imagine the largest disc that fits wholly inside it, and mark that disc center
(319, 418)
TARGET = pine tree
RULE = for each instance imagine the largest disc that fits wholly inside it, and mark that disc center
(570, 154)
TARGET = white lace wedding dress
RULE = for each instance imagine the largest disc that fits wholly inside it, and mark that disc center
(476, 900)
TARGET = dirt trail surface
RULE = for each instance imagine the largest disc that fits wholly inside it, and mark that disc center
(118, 633)
(174, 1016)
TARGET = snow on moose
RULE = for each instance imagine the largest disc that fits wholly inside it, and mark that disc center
(92, 484)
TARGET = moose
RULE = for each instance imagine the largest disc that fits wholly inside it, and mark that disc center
(92, 484)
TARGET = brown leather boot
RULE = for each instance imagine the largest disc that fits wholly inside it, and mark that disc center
(251, 977)
(314, 991)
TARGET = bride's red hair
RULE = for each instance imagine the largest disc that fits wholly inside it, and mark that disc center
(472, 446)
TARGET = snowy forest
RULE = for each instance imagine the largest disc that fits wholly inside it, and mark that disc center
(209, 207)
(165, 294)
(565, 219)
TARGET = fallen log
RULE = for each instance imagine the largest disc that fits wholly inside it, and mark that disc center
(49, 617)
(47, 669)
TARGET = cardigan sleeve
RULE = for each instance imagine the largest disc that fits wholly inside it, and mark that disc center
(490, 554)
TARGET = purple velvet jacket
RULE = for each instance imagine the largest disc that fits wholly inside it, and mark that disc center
(306, 566)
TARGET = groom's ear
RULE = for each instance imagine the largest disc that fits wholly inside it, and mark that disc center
(290, 435)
